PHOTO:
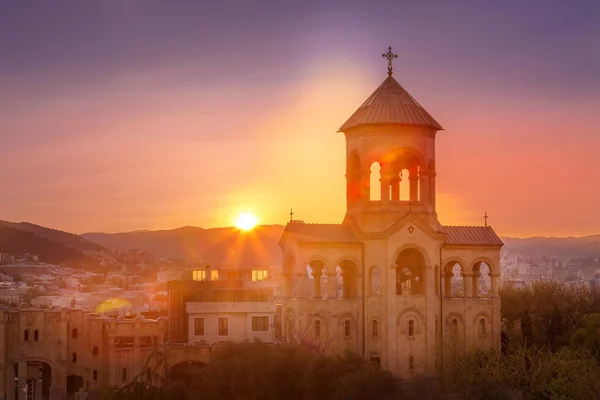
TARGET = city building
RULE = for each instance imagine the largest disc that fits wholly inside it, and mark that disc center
(212, 312)
(383, 282)
(46, 354)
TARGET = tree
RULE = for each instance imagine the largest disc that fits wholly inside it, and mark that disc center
(588, 336)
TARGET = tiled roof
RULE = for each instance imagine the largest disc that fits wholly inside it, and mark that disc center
(321, 233)
(471, 236)
(390, 104)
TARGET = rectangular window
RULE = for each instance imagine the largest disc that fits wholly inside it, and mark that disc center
(260, 324)
(74, 357)
(199, 275)
(124, 374)
(26, 335)
(260, 275)
(36, 335)
(199, 326)
(95, 375)
(411, 362)
(223, 326)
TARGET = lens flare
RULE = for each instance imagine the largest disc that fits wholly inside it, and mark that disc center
(246, 221)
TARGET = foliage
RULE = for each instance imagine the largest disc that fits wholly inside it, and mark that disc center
(548, 313)
(588, 336)
(527, 373)
(263, 372)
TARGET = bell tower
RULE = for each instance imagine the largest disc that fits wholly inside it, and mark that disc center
(390, 158)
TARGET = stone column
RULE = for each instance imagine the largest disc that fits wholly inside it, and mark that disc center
(494, 281)
(302, 289)
(447, 289)
(385, 182)
(287, 286)
(413, 178)
(476, 275)
(467, 285)
(395, 188)
(365, 181)
(424, 187)
(331, 292)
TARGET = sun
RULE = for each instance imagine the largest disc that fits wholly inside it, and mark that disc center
(246, 221)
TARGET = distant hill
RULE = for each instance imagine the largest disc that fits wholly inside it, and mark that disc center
(228, 246)
(18, 241)
(69, 240)
(569, 247)
(213, 246)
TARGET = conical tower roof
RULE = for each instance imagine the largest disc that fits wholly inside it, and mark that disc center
(390, 104)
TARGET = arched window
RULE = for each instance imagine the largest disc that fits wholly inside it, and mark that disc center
(375, 281)
(348, 279)
(482, 276)
(317, 328)
(375, 182)
(411, 328)
(482, 326)
(74, 333)
(347, 328)
(410, 267)
(95, 351)
(375, 328)
(453, 280)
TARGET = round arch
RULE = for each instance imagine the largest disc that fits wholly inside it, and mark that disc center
(399, 152)
(453, 315)
(414, 246)
(456, 260)
(491, 265)
(317, 258)
(482, 314)
(349, 258)
(411, 310)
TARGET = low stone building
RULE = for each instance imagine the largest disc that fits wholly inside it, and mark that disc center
(62, 351)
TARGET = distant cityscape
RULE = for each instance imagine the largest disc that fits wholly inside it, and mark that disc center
(139, 279)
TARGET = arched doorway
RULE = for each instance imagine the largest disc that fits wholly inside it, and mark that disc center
(410, 273)
(74, 383)
(39, 377)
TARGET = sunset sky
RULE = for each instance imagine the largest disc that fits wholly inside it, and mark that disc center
(119, 115)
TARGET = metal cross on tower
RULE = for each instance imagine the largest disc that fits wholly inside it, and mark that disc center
(485, 217)
(390, 56)
(291, 215)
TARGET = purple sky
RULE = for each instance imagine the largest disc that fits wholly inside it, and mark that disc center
(129, 114)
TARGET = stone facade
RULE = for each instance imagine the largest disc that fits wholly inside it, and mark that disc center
(381, 283)
(65, 350)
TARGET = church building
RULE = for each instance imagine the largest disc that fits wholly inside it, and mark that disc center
(391, 282)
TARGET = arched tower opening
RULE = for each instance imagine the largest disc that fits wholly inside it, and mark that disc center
(353, 179)
(375, 182)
